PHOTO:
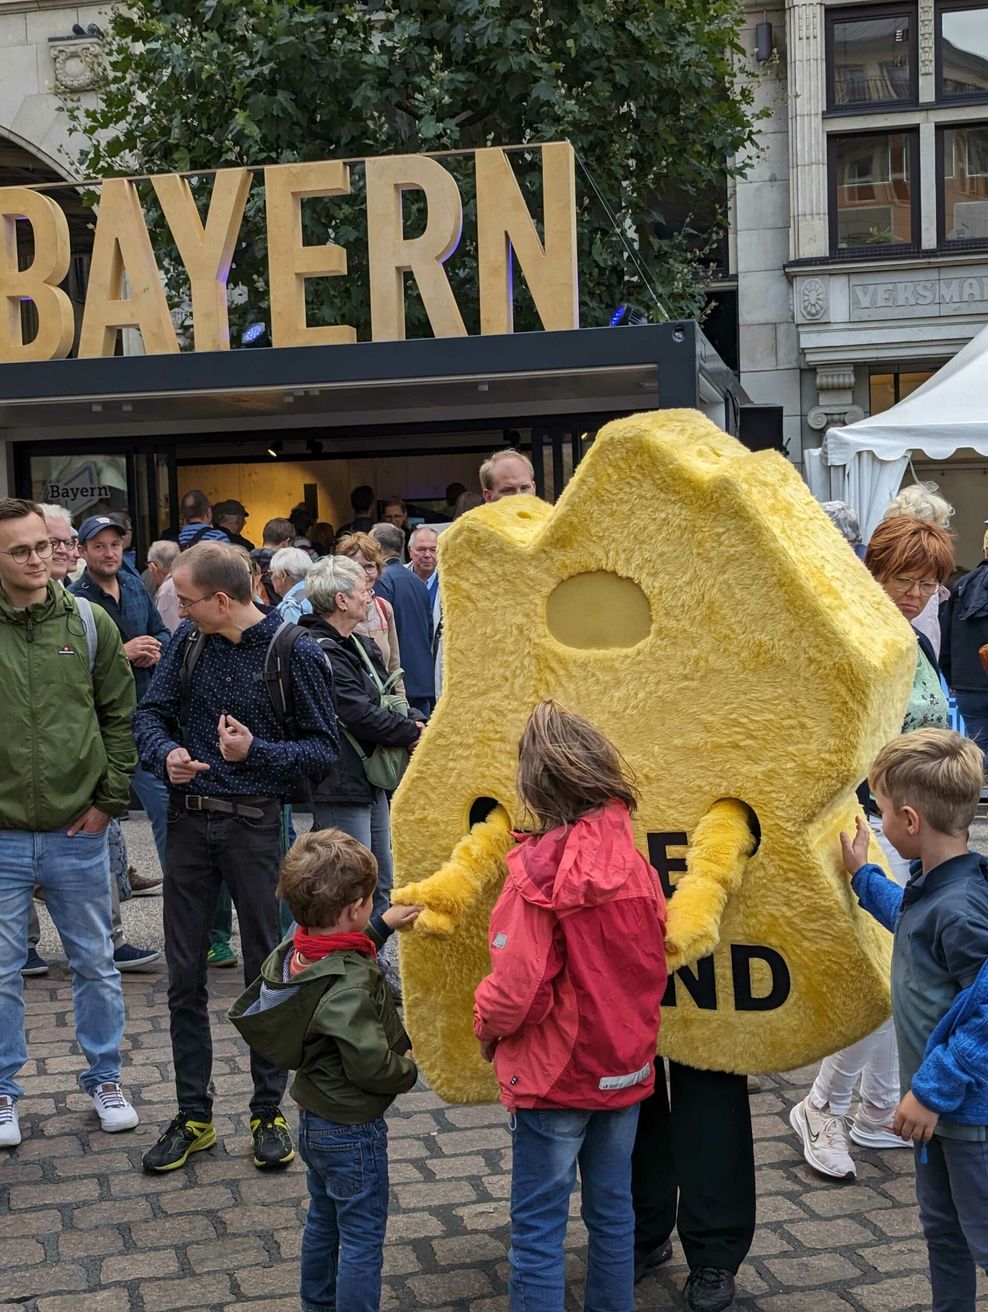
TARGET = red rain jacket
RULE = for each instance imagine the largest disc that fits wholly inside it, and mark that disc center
(578, 969)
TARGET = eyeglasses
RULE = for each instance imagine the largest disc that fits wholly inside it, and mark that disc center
(23, 554)
(187, 605)
(64, 544)
(927, 587)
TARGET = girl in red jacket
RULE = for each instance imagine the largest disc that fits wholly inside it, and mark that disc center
(570, 1011)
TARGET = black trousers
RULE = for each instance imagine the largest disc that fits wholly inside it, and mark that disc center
(693, 1167)
(205, 850)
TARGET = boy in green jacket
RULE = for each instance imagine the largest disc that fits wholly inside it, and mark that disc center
(321, 1008)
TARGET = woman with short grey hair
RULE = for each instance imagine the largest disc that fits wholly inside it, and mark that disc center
(288, 569)
(340, 594)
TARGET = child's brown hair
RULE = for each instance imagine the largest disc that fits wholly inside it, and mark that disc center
(323, 873)
(566, 767)
(937, 772)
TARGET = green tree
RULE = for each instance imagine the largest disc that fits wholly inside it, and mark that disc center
(649, 92)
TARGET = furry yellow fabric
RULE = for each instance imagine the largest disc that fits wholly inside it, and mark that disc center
(719, 849)
(690, 598)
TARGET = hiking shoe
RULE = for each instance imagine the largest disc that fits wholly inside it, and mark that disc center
(10, 1130)
(273, 1147)
(825, 1142)
(183, 1136)
(34, 964)
(647, 1259)
(143, 885)
(127, 957)
(870, 1133)
(114, 1111)
(221, 955)
(709, 1289)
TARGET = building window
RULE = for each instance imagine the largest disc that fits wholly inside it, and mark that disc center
(871, 57)
(873, 203)
(962, 51)
(886, 389)
(962, 177)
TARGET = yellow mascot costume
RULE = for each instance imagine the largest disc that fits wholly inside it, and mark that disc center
(692, 600)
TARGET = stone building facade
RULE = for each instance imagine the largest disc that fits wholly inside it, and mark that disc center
(860, 235)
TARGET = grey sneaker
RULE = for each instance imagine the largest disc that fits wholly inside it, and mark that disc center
(826, 1145)
(10, 1130)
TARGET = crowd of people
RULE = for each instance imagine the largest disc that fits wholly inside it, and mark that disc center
(234, 680)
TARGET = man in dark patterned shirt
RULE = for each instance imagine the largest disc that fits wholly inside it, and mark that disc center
(214, 735)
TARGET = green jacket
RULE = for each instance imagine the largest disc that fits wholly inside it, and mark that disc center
(337, 1028)
(67, 742)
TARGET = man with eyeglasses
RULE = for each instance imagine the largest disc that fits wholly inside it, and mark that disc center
(106, 583)
(211, 729)
(55, 805)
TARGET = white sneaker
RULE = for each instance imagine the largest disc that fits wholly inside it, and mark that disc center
(825, 1143)
(114, 1111)
(876, 1134)
(10, 1130)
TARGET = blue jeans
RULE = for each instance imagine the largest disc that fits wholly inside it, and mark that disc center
(75, 876)
(153, 793)
(973, 706)
(343, 1240)
(546, 1145)
(370, 825)
(952, 1189)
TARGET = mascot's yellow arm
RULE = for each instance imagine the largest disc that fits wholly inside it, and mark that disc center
(475, 862)
(721, 845)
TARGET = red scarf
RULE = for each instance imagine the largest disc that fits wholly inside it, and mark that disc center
(316, 946)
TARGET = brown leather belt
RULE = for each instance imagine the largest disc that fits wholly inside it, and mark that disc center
(245, 806)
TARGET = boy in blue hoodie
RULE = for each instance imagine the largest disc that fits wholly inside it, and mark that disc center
(927, 785)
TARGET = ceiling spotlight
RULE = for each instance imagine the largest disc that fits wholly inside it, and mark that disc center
(255, 334)
(276, 448)
(315, 445)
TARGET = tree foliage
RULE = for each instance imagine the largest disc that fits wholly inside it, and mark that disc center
(649, 92)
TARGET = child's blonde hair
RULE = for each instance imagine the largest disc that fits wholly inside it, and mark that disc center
(937, 772)
(322, 873)
(566, 767)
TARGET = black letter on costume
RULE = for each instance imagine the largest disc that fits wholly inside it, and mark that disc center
(744, 1000)
(658, 845)
(701, 986)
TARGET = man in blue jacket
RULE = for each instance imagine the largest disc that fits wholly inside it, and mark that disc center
(927, 785)
(107, 583)
(413, 618)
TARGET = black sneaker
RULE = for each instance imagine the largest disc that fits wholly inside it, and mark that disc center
(182, 1137)
(709, 1289)
(647, 1259)
(273, 1147)
(34, 963)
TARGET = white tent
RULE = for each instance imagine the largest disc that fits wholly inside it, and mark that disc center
(863, 463)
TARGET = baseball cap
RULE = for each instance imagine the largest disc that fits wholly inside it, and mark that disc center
(230, 508)
(96, 524)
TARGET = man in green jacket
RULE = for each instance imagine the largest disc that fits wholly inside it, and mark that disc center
(66, 756)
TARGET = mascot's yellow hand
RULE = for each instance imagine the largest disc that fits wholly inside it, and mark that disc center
(722, 843)
(476, 862)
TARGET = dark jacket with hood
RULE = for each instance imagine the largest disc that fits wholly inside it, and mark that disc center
(336, 1026)
(963, 629)
(358, 709)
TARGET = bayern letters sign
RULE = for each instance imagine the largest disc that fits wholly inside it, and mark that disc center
(125, 289)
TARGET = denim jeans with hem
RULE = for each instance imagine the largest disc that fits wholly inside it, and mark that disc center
(343, 1240)
(153, 794)
(546, 1145)
(206, 850)
(952, 1189)
(973, 706)
(75, 876)
(370, 825)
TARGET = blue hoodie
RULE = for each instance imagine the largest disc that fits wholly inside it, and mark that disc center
(939, 985)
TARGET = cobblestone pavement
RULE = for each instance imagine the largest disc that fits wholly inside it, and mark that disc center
(82, 1229)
